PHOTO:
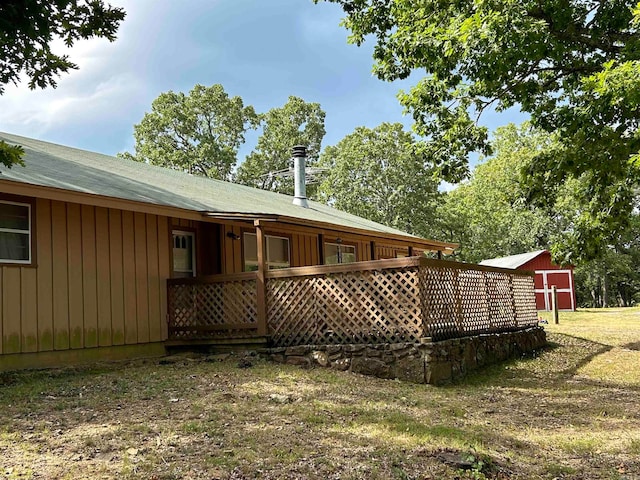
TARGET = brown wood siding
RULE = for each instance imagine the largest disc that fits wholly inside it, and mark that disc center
(142, 284)
(29, 310)
(302, 250)
(100, 280)
(117, 277)
(164, 269)
(74, 256)
(304, 244)
(232, 240)
(44, 273)
(89, 278)
(391, 251)
(129, 270)
(155, 330)
(60, 276)
(103, 277)
(11, 310)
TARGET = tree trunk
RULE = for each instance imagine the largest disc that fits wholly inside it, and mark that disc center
(594, 298)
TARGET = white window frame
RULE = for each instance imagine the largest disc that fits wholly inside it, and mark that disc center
(186, 233)
(270, 265)
(23, 232)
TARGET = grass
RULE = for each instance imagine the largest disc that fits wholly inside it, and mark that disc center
(568, 412)
(617, 330)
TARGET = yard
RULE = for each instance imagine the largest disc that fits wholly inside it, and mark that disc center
(570, 412)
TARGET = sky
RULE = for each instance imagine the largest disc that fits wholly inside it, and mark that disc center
(262, 50)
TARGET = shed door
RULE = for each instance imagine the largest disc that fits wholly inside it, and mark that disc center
(562, 279)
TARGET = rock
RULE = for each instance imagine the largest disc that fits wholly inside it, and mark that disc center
(220, 357)
(297, 350)
(278, 358)
(438, 373)
(300, 361)
(410, 369)
(279, 398)
(370, 366)
(245, 362)
(373, 352)
(354, 348)
(456, 460)
(341, 364)
(320, 358)
(183, 357)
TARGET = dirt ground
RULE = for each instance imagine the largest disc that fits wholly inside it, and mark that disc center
(558, 414)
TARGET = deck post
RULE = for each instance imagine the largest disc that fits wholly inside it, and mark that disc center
(261, 282)
(374, 250)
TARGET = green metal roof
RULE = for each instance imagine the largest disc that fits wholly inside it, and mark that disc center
(512, 261)
(51, 165)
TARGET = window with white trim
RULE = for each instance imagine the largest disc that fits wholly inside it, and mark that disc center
(184, 254)
(276, 252)
(339, 253)
(15, 232)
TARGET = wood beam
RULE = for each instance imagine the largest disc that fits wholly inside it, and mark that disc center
(261, 281)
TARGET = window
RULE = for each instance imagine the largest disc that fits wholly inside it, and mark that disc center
(276, 251)
(184, 254)
(339, 253)
(15, 232)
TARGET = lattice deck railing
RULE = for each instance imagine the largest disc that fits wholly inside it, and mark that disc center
(216, 306)
(384, 301)
(459, 299)
(362, 305)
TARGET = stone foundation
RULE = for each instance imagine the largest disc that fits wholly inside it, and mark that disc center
(427, 362)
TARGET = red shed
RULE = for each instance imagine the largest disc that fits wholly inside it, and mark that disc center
(548, 274)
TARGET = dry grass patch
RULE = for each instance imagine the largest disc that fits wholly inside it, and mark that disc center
(617, 330)
(555, 415)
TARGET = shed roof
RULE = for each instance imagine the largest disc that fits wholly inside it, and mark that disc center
(512, 261)
(51, 165)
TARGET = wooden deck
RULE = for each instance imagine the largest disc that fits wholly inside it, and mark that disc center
(382, 301)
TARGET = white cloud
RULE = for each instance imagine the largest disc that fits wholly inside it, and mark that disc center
(108, 85)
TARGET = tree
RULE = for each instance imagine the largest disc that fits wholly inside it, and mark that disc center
(27, 28)
(295, 123)
(199, 133)
(489, 215)
(573, 65)
(11, 154)
(377, 174)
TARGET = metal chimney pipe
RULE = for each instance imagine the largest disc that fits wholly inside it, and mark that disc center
(299, 177)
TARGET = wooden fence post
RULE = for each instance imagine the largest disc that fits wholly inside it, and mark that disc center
(458, 301)
(261, 294)
(513, 302)
(554, 304)
(488, 300)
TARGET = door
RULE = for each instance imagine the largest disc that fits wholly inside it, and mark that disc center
(184, 254)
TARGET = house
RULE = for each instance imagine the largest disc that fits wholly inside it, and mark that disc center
(548, 275)
(89, 242)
